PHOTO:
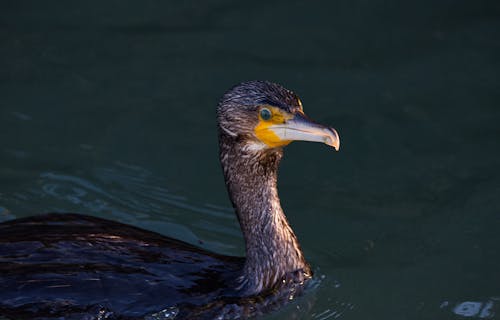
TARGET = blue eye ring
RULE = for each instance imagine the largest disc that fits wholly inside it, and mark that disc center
(265, 114)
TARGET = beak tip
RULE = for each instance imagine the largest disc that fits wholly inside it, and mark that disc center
(334, 139)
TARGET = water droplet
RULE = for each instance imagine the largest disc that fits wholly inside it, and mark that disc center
(165, 314)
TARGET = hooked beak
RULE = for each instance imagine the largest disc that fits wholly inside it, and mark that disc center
(300, 128)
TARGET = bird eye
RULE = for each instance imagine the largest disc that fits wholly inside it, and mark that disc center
(265, 113)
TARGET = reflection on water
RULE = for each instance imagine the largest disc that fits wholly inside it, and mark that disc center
(474, 309)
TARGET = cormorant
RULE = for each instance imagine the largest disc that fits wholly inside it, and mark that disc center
(72, 266)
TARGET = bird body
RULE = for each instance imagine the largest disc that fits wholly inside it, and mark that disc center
(70, 266)
(73, 264)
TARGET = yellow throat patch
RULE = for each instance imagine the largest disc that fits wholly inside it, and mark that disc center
(263, 130)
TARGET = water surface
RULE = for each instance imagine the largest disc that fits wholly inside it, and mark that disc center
(108, 108)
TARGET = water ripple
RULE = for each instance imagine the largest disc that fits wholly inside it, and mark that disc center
(130, 194)
(122, 185)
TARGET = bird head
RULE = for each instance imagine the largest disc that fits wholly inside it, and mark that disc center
(266, 116)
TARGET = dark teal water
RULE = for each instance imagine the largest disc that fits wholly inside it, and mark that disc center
(107, 108)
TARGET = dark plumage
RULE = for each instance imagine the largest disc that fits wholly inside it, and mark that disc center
(73, 266)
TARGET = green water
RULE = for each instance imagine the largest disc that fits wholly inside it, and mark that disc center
(108, 108)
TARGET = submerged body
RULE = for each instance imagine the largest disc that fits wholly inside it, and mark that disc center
(77, 266)
(69, 266)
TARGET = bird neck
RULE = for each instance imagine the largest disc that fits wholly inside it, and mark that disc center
(273, 253)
